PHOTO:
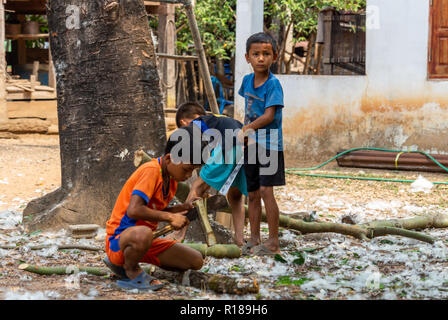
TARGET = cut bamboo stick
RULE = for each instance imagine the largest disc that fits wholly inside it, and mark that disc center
(201, 205)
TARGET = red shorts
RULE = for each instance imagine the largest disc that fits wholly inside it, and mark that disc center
(116, 256)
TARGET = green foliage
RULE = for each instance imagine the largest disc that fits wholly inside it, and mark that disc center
(302, 15)
(216, 22)
(279, 258)
(300, 257)
(286, 280)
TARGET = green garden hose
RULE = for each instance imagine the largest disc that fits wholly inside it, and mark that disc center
(293, 170)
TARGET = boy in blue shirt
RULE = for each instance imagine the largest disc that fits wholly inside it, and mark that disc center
(219, 166)
(264, 162)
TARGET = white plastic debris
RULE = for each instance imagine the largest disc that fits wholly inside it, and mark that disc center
(28, 295)
(421, 185)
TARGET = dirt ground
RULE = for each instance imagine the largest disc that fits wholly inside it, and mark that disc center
(30, 168)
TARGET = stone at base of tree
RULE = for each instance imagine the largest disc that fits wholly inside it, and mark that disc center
(62, 208)
(196, 234)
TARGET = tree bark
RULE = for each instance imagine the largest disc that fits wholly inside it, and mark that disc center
(109, 105)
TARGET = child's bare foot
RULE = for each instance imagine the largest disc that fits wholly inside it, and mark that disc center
(238, 240)
(273, 246)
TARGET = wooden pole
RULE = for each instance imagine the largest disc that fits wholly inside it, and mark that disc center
(167, 46)
(203, 67)
(3, 106)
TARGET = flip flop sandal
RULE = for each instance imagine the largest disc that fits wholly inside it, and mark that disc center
(142, 282)
(117, 270)
(262, 250)
(245, 249)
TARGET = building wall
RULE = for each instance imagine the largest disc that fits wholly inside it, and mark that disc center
(394, 106)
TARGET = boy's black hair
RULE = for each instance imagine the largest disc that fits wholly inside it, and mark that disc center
(261, 37)
(188, 110)
(187, 133)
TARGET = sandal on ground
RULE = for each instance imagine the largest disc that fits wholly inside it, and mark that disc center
(142, 282)
(117, 270)
(262, 250)
(245, 249)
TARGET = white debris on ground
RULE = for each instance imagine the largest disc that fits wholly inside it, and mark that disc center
(421, 185)
(331, 266)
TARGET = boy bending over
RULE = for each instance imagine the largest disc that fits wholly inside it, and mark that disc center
(221, 163)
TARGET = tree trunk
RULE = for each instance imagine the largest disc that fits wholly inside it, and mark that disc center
(109, 105)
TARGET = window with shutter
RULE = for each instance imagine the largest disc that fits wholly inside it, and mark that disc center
(438, 46)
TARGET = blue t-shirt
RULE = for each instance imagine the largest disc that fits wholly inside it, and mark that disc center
(269, 94)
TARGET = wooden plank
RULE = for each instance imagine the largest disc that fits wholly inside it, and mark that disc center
(13, 89)
(44, 88)
(36, 69)
(23, 87)
(33, 82)
(36, 95)
(151, 3)
(176, 57)
(27, 36)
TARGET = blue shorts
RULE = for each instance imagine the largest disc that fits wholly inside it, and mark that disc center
(216, 171)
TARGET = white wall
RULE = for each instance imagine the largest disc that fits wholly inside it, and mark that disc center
(249, 15)
(393, 106)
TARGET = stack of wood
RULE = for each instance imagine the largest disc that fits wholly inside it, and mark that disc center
(25, 85)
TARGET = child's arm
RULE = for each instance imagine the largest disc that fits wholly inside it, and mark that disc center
(262, 121)
(187, 205)
(138, 210)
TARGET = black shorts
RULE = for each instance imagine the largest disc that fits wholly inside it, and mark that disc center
(263, 167)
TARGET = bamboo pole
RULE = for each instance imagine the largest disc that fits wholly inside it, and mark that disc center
(205, 223)
(201, 280)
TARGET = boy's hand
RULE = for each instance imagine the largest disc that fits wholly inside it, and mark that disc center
(188, 204)
(243, 136)
(179, 220)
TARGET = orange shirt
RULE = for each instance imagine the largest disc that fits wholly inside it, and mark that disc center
(146, 182)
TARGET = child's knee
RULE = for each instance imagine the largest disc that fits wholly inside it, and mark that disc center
(142, 239)
(196, 261)
(254, 196)
(266, 192)
(234, 196)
